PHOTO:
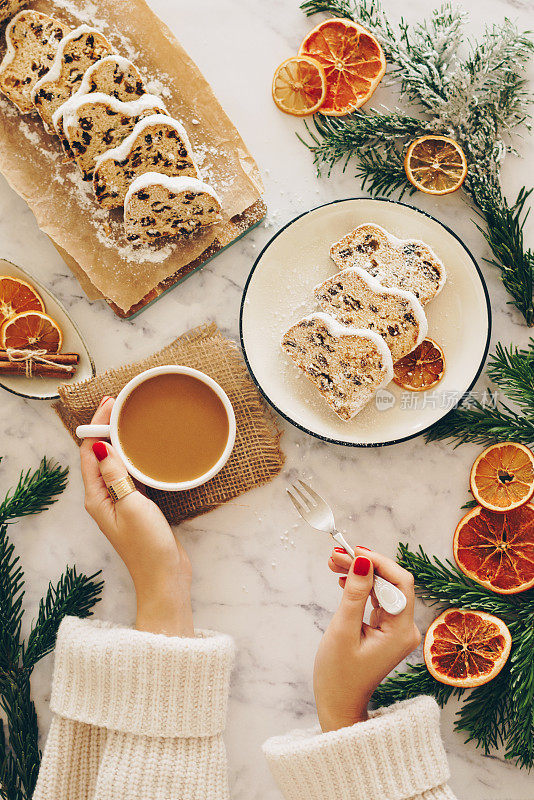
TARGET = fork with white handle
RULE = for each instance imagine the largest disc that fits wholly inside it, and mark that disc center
(318, 514)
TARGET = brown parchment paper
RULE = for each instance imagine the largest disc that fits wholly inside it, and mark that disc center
(91, 239)
(256, 458)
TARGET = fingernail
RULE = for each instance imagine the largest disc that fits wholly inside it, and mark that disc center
(361, 547)
(340, 550)
(361, 565)
(100, 450)
(105, 399)
(343, 580)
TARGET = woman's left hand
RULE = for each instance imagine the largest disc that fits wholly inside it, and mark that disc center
(142, 537)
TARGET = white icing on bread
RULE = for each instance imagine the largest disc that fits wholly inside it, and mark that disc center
(175, 185)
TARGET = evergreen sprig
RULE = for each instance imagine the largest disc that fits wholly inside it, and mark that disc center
(478, 99)
(512, 371)
(501, 711)
(73, 594)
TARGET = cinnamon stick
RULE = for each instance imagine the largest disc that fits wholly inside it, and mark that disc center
(57, 358)
(44, 370)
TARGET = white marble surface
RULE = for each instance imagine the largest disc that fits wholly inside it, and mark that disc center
(259, 574)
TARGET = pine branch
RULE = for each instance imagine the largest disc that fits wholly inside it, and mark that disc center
(35, 491)
(334, 139)
(9, 783)
(504, 234)
(11, 596)
(520, 741)
(486, 714)
(482, 424)
(415, 681)
(23, 735)
(74, 595)
(444, 583)
(382, 172)
(512, 370)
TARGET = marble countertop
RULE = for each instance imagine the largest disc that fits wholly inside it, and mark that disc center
(259, 574)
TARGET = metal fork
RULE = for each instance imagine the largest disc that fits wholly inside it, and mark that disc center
(318, 514)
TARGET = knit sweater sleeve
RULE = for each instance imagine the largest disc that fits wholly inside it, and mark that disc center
(397, 754)
(136, 715)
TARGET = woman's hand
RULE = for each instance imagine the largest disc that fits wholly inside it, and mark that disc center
(353, 658)
(142, 537)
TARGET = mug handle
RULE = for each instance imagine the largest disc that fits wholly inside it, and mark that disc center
(93, 431)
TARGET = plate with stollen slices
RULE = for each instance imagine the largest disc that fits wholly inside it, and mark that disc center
(40, 345)
(363, 322)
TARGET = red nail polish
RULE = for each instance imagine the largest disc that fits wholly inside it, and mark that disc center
(361, 565)
(361, 547)
(100, 450)
(340, 550)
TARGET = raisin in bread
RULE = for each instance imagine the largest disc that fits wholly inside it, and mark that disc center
(158, 205)
(113, 75)
(10, 7)
(404, 263)
(157, 143)
(355, 298)
(346, 364)
(32, 41)
(94, 123)
(78, 50)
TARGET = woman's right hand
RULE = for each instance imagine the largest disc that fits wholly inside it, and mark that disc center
(142, 537)
(353, 657)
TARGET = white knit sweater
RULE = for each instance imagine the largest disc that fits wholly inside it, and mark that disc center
(139, 716)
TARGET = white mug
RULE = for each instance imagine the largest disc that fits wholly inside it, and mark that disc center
(111, 431)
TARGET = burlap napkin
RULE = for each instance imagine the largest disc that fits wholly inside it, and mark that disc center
(256, 457)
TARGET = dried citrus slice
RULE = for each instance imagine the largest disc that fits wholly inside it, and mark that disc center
(17, 296)
(421, 369)
(502, 477)
(31, 330)
(435, 164)
(299, 86)
(496, 549)
(353, 62)
(466, 648)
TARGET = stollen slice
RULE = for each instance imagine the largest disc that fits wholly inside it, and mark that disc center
(355, 298)
(158, 143)
(32, 40)
(113, 75)
(346, 364)
(94, 123)
(76, 52)
(157, 205)
(398, 263)
(10, 7)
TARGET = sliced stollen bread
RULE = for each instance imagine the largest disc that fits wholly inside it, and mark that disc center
(404, 263)
(355, 298)
(112, 75)
(10, 7)
(77, 51)
(32, 41)
(346, 364)
(158, 205)
(157, 144)
(94, 123)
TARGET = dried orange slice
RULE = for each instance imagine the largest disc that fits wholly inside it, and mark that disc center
(466, 648)
(32, 330)
(421, 369)
(299, 86)
(353, 61)
(435, 164)
(496, 549)
(17, 296)
(502, 477)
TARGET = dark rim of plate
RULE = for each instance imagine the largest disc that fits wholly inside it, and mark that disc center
(340, 441)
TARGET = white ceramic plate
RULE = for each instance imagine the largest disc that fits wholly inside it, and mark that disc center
(279, 291)
(40, 388)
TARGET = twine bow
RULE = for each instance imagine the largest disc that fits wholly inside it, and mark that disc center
(31, 357)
